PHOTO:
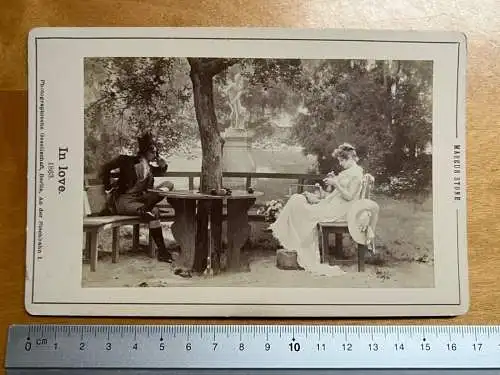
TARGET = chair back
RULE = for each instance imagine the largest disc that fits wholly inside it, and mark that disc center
(367, 185)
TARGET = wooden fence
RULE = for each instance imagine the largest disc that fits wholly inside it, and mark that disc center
(300, 178)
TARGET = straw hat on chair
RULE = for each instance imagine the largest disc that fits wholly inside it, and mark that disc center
(361, 221)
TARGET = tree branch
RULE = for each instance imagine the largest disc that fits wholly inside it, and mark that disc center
(211, 66)
(104, 100)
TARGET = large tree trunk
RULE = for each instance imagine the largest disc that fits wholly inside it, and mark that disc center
(211, 141)
(202, 72)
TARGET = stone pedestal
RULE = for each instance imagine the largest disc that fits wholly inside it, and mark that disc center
(237, 155)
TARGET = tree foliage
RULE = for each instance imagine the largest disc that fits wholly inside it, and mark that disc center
(383, 107)
(134, 95)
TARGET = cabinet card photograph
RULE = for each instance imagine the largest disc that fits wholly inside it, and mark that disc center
(246, 172)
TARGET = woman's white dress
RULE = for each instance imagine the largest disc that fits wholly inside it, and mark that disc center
(296, 225)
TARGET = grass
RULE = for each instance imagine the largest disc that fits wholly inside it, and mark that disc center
(403, 234)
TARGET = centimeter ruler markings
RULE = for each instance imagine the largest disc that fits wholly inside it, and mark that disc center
(252, 346)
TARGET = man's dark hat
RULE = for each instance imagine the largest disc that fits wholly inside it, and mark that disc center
(146, 142)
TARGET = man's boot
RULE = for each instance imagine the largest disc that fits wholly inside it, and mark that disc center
(157, 235)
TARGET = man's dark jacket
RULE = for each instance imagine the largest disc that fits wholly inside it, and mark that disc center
(127, 176)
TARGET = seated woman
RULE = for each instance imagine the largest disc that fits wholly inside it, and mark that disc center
(131, 196)
(296, 226)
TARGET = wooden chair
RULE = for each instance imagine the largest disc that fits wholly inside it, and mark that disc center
(340, 228)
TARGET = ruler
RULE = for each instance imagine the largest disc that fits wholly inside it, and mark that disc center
(253, 348)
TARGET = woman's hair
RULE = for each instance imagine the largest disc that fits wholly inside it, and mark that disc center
(345, 151)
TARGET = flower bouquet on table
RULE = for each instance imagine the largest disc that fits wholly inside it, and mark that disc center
(271, 210)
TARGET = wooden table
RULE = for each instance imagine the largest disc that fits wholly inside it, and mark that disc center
(238, 228)
(202, 250)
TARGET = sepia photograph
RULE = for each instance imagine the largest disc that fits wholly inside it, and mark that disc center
(246, 172)
(279, 173)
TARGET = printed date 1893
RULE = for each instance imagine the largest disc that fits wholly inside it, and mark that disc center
(62, 169)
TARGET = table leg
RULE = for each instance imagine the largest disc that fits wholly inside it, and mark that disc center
(238, 229)
(216, 234)
(200, 263)
(184, 229)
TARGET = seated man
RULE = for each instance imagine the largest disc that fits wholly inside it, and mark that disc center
(130, 195)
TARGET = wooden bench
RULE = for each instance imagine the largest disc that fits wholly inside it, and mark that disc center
(93, 226)
(94, 201)
(340, 228)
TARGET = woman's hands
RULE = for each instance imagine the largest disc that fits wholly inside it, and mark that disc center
(348, 191)
(332, 181)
